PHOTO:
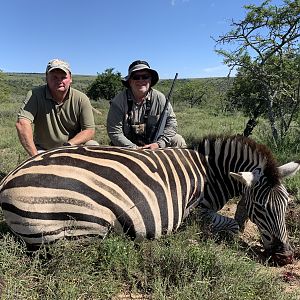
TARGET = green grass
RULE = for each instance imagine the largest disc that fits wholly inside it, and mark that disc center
(185, 265)
(196, 123)
(182, 266)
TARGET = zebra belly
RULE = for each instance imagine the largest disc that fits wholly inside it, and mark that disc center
(39, 215)
(82, 190)
(39, 231)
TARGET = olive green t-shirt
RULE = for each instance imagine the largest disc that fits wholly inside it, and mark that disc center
(55, 124)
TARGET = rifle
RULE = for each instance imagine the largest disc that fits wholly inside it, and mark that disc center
(159, 128)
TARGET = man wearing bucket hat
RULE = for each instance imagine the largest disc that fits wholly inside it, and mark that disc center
(61, 115)
(134, 113)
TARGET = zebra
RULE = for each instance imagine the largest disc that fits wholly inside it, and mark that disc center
(92, 190)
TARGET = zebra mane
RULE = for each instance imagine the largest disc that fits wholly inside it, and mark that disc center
(270, 168)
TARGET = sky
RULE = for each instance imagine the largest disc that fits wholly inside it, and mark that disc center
(174, 36)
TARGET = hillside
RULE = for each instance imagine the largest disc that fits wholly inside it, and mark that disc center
(20, 83)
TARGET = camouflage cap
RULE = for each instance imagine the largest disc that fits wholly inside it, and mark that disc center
(58, 64)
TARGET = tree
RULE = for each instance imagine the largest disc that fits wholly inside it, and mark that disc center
(266, 58)
(105, 86)
(191, 93)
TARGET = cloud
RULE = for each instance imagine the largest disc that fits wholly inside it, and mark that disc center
(220, 70)
(173, 2)
(214, 69)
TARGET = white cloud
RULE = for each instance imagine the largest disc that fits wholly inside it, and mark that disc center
(216, 71)
(173, 2)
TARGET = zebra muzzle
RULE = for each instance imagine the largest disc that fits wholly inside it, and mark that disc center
(282, 259)
(280, 254)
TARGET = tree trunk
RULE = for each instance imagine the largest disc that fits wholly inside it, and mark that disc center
(272, 119)
(253, 121)
(249, 127)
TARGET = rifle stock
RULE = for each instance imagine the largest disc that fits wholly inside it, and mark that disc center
(159, 128)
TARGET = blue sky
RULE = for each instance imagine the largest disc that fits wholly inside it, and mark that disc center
(93, 35)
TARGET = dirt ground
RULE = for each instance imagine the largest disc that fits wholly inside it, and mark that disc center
(290, 274)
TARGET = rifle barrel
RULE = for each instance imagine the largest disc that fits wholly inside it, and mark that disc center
(163, 118)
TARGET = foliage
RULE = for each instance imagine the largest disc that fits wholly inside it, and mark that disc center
(184, 265)
(105, 86)
(4, 88)
(192, 93)
(21, 83)
(267, 60)
(207, 93)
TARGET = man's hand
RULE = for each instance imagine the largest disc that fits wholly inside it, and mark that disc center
(152, 146)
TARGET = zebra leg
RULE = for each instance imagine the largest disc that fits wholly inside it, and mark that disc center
(219, 223)
(241, 215)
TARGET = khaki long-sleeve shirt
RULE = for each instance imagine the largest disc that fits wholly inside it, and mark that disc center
(118, 128)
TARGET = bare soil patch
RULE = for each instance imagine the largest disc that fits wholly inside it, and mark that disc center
(289, 274)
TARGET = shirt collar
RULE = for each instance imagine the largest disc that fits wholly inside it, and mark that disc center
(147, 97)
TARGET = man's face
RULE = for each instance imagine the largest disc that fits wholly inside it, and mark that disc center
(140, 82)
(58, 81)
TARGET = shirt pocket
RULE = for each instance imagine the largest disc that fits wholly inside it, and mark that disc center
(152, 120)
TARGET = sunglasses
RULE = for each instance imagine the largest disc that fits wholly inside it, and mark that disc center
(141, 77)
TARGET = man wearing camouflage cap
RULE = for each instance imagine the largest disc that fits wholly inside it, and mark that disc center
(61, 115)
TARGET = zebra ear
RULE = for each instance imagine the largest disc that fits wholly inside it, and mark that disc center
(289, 169)
(246, 178)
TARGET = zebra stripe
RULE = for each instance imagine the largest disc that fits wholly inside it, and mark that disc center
(92, 190)
(89, 190)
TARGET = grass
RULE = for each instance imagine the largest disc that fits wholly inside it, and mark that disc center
(185, 265)
(181, 266)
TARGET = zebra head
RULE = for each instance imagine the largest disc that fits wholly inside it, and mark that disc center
(266, 207)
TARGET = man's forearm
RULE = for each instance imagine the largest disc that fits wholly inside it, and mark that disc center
(25, 135)
(28, 146)
(82, 137)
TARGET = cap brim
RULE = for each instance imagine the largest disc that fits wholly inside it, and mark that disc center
(61, 68)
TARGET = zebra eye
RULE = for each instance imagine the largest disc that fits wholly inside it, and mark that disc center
(257, 173)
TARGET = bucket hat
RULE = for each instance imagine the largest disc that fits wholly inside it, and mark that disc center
(139, 65)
